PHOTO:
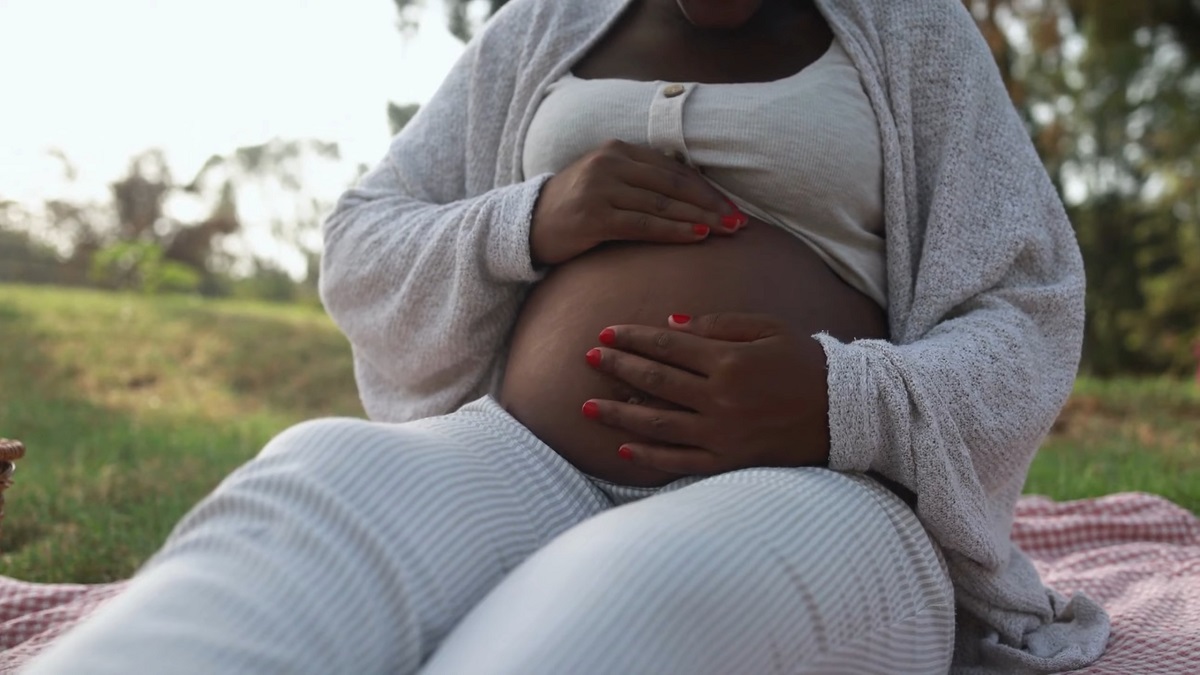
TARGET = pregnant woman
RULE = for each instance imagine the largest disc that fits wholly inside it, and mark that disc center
(698, 336)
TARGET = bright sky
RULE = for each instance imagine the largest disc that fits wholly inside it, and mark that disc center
(102, 81)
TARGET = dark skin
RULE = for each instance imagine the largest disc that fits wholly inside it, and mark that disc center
(747, 392)
(759, 41)
(730, 390)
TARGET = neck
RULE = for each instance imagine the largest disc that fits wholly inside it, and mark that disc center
(774, 20)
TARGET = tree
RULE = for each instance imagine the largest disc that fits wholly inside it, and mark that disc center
(1111, 91)
(463, 17)
(155, 232)
(22, 258)
(280, 172)
(399, 115)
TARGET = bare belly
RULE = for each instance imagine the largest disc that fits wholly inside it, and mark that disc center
(762, 269)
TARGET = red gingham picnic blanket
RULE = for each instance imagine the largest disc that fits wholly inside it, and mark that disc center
(1136, 554)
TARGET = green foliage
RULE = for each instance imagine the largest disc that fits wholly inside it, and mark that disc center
(399, 115)
(140, 266)
(271, 283)
(1111, 92)
(24, 260)
(463, 17)
(138, 239)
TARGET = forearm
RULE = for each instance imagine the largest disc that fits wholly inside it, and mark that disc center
(425, 293)
(974, 392)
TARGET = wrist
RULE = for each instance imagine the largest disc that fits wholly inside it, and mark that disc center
(508, 257)
(817, 402)
(541, 251)
(539, 256)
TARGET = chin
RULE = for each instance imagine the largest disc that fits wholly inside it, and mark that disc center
(719, 14)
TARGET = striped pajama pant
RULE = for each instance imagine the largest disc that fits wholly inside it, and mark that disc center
(461, 544)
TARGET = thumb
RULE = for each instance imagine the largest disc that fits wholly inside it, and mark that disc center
(730, 326)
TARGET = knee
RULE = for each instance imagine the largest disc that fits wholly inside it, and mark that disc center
(746, 541)
(312, 451)
(640, 559)
(336, 445)
(315, 439)
(349, 455)
(291, 467)
(312, 472)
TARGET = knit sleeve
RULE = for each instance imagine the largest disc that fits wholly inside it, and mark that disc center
(426, 259)
(955, 406)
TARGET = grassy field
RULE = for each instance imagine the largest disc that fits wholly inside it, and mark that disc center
(134, 408)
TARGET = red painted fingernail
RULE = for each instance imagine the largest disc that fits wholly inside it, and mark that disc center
(593, 358)
(625, 453)
(608, 336)
(591, 410)
(681, 319)
(732, 221)
(700, 230)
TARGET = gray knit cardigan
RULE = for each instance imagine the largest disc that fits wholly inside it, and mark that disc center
(427, 260)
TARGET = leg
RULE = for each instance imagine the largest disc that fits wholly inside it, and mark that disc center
(346, 547)
(757, 571)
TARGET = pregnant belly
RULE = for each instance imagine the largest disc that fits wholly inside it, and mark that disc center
(762, 269)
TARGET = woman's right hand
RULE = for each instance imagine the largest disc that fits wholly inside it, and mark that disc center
(624, 192)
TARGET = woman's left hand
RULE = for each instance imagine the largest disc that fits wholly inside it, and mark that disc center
(754, 394)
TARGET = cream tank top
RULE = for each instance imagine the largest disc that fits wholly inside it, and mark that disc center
(802, 153)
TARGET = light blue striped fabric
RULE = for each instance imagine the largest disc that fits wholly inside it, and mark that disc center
(461, 544)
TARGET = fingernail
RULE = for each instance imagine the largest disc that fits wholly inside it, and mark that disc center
(732, 221)
(681, 319)
(593, 358)
(743, 220)
(701, 230)
(591, 410)
(625, 453)
(608, 337)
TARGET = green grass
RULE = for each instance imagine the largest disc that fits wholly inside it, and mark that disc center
(1120, 435)
(134, 408)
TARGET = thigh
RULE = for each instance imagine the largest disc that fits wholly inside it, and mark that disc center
(763, 570)
(346, 546)
(443, 507)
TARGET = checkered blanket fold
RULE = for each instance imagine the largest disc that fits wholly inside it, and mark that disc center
(1136, 554)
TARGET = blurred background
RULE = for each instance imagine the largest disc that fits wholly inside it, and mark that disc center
(195, 148)
(165, 168)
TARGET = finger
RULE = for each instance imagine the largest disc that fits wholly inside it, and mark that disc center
(645, 154)
(665, 206)
(638, 226)
(680, 427)
(678, 182)
(673, 347)
(729, 326)
(683, 461)
(649, 157)
(661, 174)
(657, 379)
